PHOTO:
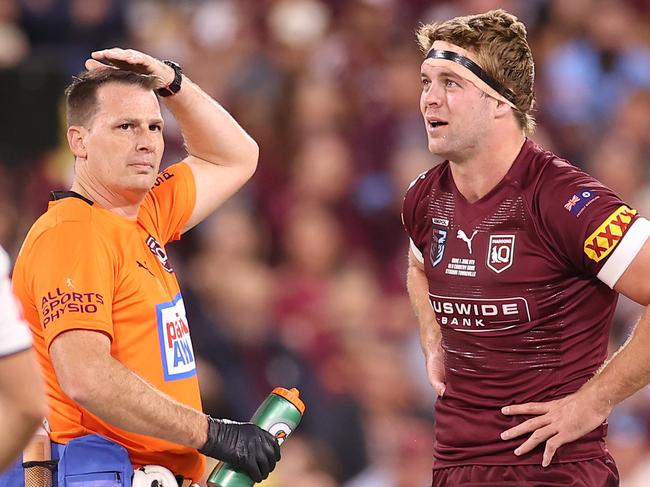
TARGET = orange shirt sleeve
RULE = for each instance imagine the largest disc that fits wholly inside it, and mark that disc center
(72, 280)
(169, 204)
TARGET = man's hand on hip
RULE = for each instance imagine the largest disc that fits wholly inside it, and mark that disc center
(244, 446)
(556, 422)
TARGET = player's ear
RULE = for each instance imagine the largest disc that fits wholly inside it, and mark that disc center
(76, 140)
(502, 109)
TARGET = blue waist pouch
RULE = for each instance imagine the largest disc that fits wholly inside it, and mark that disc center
(94, 461)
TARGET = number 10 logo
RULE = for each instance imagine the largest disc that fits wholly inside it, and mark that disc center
(501, 252)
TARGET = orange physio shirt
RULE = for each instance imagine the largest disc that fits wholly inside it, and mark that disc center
(84, 267)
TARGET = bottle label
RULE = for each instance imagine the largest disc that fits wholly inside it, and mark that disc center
(281, 431)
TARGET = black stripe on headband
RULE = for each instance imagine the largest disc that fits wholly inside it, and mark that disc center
(474, 68)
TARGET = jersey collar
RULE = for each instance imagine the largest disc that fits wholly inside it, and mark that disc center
(59, 195)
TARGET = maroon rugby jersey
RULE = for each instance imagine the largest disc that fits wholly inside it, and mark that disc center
(517, 281)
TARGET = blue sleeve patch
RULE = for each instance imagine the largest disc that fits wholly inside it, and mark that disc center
(579, 201)
(175, 343)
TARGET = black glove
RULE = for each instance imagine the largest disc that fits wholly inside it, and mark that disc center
(244, 446)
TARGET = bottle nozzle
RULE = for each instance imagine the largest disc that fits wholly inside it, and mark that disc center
(293, 396)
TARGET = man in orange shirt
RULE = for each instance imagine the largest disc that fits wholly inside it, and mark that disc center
(100, 294)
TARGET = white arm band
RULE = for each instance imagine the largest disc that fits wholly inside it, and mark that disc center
(625, 252)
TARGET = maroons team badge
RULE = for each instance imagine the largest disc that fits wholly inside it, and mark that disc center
(501, 252)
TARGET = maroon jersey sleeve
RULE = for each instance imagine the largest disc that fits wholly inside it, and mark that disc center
(585, 224)
(414, 211)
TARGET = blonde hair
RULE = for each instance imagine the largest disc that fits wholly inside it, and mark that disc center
(498, 39)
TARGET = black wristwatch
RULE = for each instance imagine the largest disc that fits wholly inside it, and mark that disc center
(175, 86)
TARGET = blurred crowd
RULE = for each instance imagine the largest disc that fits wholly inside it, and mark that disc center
(299, 280)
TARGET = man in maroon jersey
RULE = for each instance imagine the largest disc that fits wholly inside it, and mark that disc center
(516, 260)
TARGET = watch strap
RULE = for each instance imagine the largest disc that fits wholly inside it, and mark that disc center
(175, 86)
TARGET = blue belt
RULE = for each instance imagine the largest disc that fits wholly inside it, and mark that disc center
(15, 475)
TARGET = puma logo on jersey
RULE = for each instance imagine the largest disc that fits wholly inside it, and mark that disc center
(468, 240)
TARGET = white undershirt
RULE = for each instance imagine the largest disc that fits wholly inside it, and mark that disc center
(14, 333)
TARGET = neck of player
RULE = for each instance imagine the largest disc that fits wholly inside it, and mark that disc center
(123, 203)
(483, 168)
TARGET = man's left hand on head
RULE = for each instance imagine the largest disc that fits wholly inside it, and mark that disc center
(131, 60)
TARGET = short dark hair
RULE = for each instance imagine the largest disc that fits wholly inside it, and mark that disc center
(81, 94)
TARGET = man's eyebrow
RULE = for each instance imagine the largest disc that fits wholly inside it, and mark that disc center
(446, 73)
(450, 74)
(136, 121)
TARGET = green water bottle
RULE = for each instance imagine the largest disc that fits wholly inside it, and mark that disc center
(279, 414)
